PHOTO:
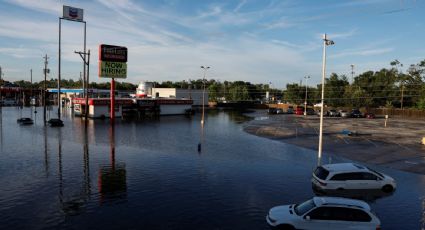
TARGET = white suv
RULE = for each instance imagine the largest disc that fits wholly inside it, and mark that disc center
(324, 213)
(350, 176)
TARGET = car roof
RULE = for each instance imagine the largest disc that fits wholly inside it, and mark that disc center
(338, 201)
(344, 167)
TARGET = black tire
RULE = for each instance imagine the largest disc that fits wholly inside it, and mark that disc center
(340, 189)
(285, 227)
(387, 188)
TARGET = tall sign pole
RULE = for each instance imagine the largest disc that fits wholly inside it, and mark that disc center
(59, 71)
(71, 14)
(112, 64)
(84, 64)
(112, 113)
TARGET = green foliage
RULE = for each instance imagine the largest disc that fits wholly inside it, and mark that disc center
(386, 87)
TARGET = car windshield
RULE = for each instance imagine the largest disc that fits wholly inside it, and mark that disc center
(302, 208)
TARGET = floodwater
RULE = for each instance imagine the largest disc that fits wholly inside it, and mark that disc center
(150, 175)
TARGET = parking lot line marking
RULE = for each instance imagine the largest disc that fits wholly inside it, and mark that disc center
(371, 142)
(346, 141)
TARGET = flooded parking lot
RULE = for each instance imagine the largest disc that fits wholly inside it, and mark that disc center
(150, 175)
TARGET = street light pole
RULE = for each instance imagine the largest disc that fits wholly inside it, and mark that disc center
(203, 95)
(305, 101)
(44, 88)
(326, 42)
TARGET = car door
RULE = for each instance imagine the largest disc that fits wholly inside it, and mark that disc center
(355, 180)
(370, 181)
(349, 218)
(317, 219)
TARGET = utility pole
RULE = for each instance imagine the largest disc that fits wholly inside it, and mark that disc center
(83, 56)
(83, 83)
(44, 88)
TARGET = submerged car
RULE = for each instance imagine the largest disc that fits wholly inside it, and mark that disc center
(279, 111)
(271, 111)
(25, 121)
(324, 213)
(350, 176)
(54, 122)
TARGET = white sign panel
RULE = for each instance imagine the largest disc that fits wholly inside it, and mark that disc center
(72, 13)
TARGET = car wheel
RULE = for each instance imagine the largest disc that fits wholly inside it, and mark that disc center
(285, 227)
(387, 188)
(340, 189)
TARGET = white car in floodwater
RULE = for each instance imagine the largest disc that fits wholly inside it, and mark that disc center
(350, 176)
(324, 213)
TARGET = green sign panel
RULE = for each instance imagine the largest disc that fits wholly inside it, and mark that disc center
(109, 69)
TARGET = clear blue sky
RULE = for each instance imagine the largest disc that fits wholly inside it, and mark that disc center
(259, 41)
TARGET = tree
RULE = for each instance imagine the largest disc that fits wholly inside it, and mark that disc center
(335, 89)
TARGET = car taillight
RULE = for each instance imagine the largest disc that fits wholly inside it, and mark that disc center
(378, 227)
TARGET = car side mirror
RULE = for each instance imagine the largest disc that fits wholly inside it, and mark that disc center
(307, 217)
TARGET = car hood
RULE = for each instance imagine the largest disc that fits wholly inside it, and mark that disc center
(282, 214)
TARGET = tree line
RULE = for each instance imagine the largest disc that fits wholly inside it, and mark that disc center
(388, 87)
(384, 88)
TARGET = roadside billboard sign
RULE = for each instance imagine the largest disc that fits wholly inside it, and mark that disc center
(112, 61)
(108, 69)
(112, 53)
(72, 13)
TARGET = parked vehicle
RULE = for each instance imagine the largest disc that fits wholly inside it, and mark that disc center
(350, 176)
(333, 113)
(271, 111)
(290, 110)
(344, 113)
(310, 111)
(356, 113)
(326, 114)
(369, 115)
(279, 111)
(299, 111)
(324, 213)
